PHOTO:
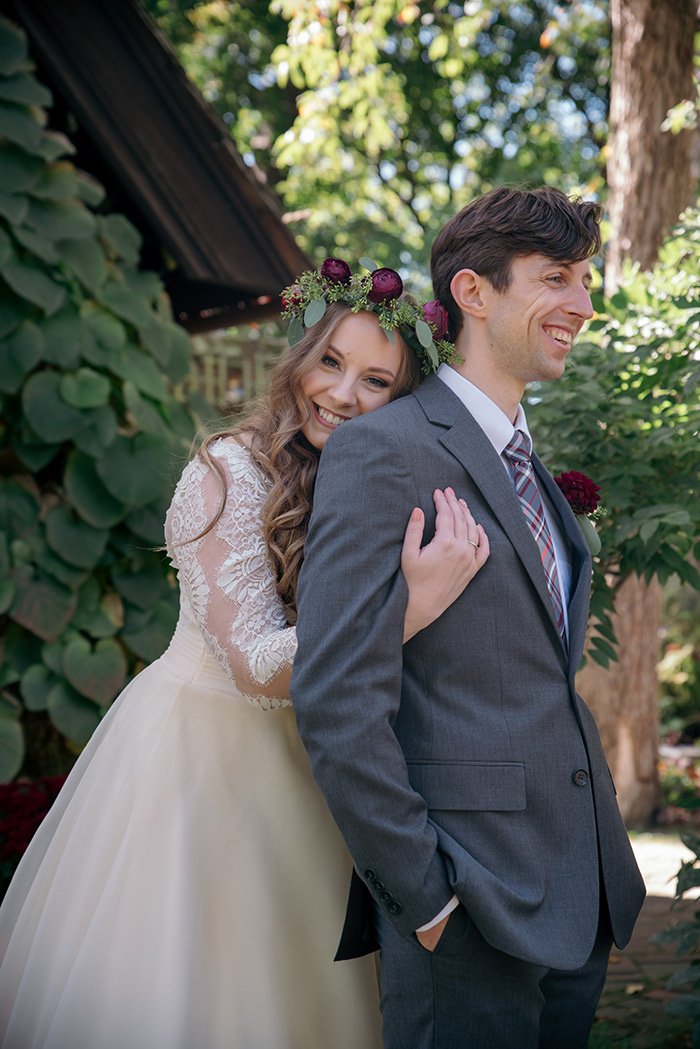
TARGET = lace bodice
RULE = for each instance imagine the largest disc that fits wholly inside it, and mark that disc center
(227, 586)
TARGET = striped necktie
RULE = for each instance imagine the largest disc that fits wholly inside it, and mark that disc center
(518, 451)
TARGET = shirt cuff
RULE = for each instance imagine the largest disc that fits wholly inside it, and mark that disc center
(447, 909)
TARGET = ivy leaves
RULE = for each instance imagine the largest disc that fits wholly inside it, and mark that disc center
(90, 433)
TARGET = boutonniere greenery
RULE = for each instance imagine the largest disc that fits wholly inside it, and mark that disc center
(581, 493)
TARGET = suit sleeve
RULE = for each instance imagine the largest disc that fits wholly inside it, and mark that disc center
(346, 680)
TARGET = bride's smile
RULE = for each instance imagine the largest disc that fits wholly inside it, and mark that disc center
(329, 418)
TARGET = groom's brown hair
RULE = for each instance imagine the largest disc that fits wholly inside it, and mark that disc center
(504, 224)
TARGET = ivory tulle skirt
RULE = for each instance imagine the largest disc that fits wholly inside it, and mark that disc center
(187, 889)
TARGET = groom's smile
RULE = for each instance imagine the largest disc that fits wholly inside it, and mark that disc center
(561, 335)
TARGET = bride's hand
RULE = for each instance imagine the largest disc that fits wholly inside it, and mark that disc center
(438, 573)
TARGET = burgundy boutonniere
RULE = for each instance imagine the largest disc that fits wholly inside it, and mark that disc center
(581, 493)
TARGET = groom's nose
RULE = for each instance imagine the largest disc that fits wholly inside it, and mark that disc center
(580, 303)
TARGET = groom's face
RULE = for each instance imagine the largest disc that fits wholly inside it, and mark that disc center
(531, 326)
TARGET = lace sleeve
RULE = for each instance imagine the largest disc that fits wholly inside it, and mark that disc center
(226, 580)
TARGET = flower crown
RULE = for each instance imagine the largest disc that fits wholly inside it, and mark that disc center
(423, 327)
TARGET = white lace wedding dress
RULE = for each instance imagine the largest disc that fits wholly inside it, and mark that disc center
(187, 889)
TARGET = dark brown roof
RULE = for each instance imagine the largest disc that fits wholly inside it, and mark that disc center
(170, 154)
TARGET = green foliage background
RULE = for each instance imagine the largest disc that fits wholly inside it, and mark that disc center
(90, 438)
(679, 668)
(627, 414)
(377, 120)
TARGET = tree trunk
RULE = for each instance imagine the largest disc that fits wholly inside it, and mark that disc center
(624, 700)
(648, 169)
(650, 179)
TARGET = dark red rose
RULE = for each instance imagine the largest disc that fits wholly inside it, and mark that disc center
(386, 285)
(436, 316)
(23, 806)
(336, 270)
(580, 492)
(292, 297)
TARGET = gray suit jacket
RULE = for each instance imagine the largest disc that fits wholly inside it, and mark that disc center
(464, 761)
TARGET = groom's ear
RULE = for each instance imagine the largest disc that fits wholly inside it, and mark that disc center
(466, 287)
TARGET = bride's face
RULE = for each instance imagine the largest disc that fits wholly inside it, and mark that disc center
(356, 374)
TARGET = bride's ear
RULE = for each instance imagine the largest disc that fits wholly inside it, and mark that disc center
(466, 287)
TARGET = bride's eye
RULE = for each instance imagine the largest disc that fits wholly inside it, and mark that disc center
(330, 362)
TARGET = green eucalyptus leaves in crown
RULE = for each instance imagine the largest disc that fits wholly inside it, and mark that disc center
(380, 291)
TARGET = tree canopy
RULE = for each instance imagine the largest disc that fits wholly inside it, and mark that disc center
(378, 120)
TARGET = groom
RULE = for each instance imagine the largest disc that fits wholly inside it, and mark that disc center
(462, 768)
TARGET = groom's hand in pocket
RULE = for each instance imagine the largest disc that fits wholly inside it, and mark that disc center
(430, 938)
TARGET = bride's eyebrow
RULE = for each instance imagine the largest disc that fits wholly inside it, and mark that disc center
(384, 371)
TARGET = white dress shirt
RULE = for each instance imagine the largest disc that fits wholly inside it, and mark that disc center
(500, 430)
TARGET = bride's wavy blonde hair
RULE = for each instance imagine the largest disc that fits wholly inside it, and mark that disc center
(284, 456)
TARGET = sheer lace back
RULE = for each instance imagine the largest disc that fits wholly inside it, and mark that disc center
(227, 586)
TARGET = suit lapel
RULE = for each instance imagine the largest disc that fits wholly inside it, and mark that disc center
(464, 438)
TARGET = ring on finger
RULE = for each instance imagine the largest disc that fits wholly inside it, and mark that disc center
(475, 545)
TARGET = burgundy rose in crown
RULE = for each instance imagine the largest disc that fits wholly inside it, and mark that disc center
(379, 291)
(292, 297)
(436, 316)
(336, 271)
(581, 493)
(386, 285)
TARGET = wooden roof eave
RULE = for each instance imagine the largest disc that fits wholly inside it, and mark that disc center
(164, 142)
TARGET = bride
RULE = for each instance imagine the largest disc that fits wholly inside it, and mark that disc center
(187, 889)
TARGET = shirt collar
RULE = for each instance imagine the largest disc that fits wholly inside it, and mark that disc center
(492, 419)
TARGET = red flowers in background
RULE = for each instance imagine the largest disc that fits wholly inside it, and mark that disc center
(22, 808)
(580, 492)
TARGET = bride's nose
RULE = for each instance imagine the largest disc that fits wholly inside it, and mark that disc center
(343, 392)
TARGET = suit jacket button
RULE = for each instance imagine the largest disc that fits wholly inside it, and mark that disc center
(394, 907)
(580, 777)
(386, 897)
(377, 884)
(369, 874)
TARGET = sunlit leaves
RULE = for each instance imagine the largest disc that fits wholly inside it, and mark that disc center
(378, 120)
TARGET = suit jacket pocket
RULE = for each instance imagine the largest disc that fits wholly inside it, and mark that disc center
(486, 786)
